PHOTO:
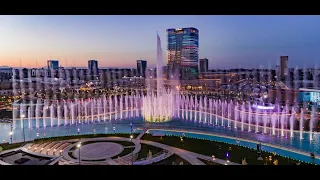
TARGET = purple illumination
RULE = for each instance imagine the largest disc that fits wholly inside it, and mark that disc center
(263, 107)
(227, 154)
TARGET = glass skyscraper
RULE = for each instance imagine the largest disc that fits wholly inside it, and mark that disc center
(141, 67)
(53, 64)
(182, 50)
(93, 67)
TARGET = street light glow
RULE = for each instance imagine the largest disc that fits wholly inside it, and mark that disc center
(78, 145)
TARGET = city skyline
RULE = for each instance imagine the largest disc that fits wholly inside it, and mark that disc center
(118, 41)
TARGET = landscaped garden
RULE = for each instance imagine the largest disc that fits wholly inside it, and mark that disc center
(172, 160)
(208, 162)
(220, 150)
(145, 148)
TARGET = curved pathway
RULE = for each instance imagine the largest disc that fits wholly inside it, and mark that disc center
(191, 157)
(235, 138)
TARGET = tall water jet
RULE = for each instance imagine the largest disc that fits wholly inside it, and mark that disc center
(257, 119)
(282, 119)
(110, 107)
(45, 114)
(229, 114)
(217, 110)
(273, 123)
(99, 109)
(291, 125)
(158, 102)
(92, 109)
(243, 116)
(59, 114)
(29, 117)
(311, 123)
(31, 114)
(249, 118)
(37, 113)
(86, 111)
(72, 112)
(301, 123)
(121, 106)
(236, 115)
(265, 120)
(51, 114)
(65, 112)
(104, 107)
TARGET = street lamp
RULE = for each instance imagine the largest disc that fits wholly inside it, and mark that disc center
(22, 119)
(79, 146)
(78, 131)
(114, 129)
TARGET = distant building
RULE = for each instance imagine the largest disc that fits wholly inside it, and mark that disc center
(141, 67)
(182, 52)
(204, 65)
(53, 64)
(284, 65)
(93, 67)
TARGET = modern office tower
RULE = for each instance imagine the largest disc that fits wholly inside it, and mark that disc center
(53, 64)
(283, 65)
(204, 65)
(141, 67)
(182, 51)
(93, 69)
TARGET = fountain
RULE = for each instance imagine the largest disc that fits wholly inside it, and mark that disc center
(158, 103)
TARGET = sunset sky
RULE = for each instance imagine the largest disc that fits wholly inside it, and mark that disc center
(118, 41)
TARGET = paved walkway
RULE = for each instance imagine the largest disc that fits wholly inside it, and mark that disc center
(235, 138)
(142, 133)
(108, 161)
(98, 150)
(191, 157)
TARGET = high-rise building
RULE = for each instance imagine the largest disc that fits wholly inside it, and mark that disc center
(53, 64)
(141, 67)
(283, 65)
(182, 51)
(203, 65)
(93, 67)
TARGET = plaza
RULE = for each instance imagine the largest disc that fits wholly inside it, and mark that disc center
(100, 129)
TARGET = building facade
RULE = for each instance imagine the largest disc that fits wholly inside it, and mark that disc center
(93, 66)
(141, 67)
(204, 64)
(284, 65)
(53, 64)
(182, 51)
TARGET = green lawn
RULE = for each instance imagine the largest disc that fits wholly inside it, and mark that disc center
(208, 162)
(7, 146)
(144, 152)
(124, 152)
(219, 150)
(172, 160)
